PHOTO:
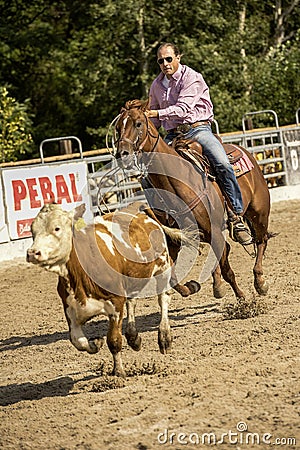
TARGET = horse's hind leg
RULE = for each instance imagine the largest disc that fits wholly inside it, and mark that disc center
(190, 287)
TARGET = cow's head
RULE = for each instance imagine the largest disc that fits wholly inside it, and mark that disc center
(52, 235)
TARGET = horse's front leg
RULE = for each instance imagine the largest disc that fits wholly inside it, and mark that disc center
(228, 273)
(164, 330)
(131, 333)
(190, 287)
(260, 284)
(219, 289)
(221, 250)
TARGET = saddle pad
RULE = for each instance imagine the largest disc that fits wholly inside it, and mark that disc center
(243, 165)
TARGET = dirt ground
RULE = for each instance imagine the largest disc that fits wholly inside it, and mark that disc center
(227, 384)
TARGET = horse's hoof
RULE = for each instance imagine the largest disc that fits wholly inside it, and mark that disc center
(219, 291)
(262, 289)
(193, 286)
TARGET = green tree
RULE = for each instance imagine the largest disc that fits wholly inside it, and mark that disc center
(15, 127)
(79, 61)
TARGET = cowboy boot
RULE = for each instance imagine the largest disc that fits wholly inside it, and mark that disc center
(239, 230)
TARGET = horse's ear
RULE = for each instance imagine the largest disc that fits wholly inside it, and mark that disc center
(130, 104)
(146, 105)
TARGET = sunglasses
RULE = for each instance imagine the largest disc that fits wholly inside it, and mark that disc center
(169, 59)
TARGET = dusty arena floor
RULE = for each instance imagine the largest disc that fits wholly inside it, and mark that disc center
(226, 384)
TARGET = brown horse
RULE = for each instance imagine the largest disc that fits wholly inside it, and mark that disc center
(180, 190)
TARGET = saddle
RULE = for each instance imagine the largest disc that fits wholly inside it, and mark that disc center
(192, 152)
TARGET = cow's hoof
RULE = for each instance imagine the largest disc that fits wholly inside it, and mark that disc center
(164, 341)
(165, 349)
(119, 373)
(135, 341)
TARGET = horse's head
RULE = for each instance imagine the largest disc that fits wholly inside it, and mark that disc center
(131, 131)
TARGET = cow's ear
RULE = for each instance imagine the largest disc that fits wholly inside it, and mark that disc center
(78, 212)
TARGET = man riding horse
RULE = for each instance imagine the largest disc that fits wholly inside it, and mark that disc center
(180, 102)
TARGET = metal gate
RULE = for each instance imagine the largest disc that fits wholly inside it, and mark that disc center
(266, 145)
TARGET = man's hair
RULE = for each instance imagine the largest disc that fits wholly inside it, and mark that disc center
(169, 44)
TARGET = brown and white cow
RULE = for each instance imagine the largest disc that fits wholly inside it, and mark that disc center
(101, 267)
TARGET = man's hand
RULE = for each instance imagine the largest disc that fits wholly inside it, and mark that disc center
(152, 113)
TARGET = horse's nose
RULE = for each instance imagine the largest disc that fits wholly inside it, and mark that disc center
(125, 158)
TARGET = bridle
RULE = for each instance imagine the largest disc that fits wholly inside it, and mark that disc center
(138, 143)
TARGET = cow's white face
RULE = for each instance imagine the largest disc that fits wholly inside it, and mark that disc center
(52, 237)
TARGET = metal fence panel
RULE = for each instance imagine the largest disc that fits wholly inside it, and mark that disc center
(270, 148)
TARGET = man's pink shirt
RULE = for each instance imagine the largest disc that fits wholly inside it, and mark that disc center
(185, 100)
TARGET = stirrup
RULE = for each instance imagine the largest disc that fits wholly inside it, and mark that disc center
(239, 232)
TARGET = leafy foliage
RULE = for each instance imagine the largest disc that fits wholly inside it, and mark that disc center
(79, 61)
(15, 137)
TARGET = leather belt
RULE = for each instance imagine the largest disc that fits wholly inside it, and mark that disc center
(185, 127)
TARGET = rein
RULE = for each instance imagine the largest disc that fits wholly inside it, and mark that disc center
(145, 177)
(146, 181)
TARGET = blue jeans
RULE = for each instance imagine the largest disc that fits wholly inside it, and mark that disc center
(215, 153)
